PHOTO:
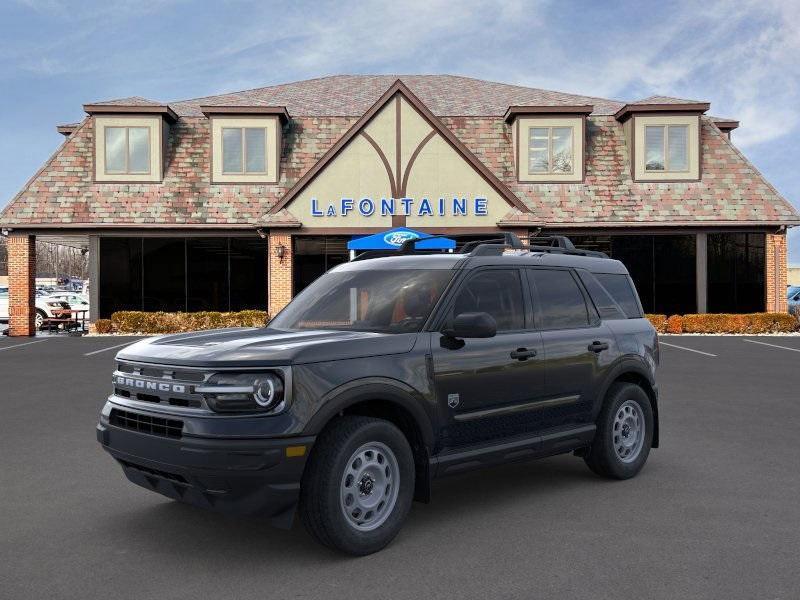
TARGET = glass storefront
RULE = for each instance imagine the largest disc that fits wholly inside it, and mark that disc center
(315, 254)
(736, 272)
(664, 269)
(182, 274)
(662, 266)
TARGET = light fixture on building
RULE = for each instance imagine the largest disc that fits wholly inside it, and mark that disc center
(5, 231)
(261, 233)
(280, 252)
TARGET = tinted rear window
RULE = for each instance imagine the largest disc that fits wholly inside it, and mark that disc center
(605, 304)
(561, 302)
(622, 291)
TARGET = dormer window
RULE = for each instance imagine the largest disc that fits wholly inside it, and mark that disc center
(130, 140)
(127, 150)
(245, 143)
(666, 148)
(548, 142)
(550, 150)
(244, 150)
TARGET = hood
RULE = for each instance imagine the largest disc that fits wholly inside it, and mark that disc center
(264, 347)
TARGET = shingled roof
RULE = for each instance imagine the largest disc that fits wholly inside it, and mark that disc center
(731, 191)
(352, 95)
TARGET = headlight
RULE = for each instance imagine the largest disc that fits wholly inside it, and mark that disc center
(243, 392)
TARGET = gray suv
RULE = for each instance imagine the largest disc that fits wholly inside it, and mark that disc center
(386, 373)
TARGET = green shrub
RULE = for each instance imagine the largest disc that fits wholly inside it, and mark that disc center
(131, 321)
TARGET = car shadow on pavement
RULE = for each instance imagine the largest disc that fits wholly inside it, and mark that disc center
(172, 527)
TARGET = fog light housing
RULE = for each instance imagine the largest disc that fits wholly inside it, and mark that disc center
(243, 392)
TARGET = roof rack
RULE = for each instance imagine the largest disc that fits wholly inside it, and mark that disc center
(552, 244)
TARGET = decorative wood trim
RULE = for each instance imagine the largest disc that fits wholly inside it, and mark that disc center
(399, 87)
(412, 158)
(384, 160)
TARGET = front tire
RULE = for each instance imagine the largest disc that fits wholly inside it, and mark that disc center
(358, 486)
(39, 318)
(624, 433)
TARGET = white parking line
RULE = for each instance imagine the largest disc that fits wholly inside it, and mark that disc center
(20, 345)
(110, 348)
(771, 345)
(687, 349)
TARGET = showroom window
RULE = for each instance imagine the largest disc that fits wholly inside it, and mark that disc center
(663, 267)
(244, 150)
(182, 274)
(736, 265)
(666, 147)
(550, 150)
(127, 150)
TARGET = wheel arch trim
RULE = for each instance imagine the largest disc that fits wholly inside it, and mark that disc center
(373, 389)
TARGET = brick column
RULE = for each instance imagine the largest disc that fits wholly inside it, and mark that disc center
(280, 271)
(775, 273)
(21, 284)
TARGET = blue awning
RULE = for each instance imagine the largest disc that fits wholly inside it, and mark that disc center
(394, 238)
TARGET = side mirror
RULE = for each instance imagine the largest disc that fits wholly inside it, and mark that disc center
(472, 325)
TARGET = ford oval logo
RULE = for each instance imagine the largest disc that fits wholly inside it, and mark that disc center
(396, 238)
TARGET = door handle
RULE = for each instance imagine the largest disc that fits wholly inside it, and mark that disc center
(523, 353)
(598, 346)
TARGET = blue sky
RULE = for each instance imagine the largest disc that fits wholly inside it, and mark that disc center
(56, 55)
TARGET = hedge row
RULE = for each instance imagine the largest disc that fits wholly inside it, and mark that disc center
(726, 323)
(131, 321)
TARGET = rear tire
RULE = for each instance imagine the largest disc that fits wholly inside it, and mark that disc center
(358, 486)
(39, 318)
(624, 433)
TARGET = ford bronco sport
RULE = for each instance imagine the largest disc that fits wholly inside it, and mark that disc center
(386, 373)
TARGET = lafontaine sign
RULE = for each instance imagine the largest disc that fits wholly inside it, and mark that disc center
(422, 207)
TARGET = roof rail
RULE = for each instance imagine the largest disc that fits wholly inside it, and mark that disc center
(552, 244)
(560, 244)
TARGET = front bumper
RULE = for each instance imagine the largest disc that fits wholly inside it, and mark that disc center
(240, 476)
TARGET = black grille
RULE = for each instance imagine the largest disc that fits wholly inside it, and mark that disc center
(171, 476)
(161, 372)
(170, 428)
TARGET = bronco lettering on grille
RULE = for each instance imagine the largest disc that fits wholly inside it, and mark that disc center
(156, 386)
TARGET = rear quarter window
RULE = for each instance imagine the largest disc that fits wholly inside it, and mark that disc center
(622, 290)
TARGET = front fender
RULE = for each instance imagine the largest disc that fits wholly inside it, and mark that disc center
(373, 388)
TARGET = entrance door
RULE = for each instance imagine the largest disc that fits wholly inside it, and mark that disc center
(486, 387)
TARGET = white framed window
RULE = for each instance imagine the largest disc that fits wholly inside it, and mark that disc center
(666, 148)
(550, 150)
(244, 150)
(127, 150)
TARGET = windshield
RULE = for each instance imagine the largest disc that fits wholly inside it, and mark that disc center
(394, 301)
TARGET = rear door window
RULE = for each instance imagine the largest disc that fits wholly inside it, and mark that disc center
(621, 289)
(561, 304)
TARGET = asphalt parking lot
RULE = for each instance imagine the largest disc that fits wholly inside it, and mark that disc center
(714, 514)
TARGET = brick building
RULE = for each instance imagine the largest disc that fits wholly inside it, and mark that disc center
(240, 200)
